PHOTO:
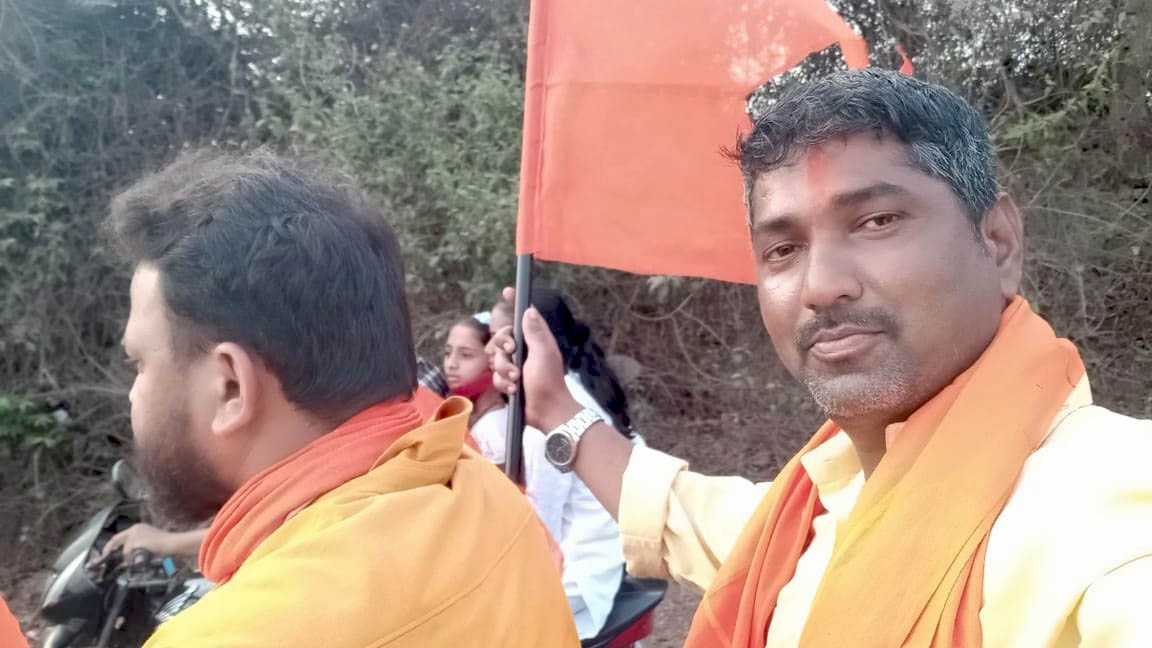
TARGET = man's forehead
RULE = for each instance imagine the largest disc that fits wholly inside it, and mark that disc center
(147, 310)
(827, 172)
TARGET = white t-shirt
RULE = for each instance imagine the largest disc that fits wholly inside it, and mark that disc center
(588, 536)
(490, 433)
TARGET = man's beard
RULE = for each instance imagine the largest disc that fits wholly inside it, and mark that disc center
(890, 388)
(886, 385)
(183, 489)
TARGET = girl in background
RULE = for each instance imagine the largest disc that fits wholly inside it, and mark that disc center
(468, 374)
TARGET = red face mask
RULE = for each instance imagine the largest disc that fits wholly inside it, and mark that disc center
(475, 387)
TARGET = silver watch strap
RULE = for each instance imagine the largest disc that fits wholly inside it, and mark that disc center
(579, 424)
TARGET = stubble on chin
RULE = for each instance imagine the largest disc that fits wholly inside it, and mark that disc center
(887, 389)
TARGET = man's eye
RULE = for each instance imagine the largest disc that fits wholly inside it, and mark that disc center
(781, 252)
(879, 221)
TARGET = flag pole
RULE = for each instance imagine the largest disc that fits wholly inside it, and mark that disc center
(514, 454)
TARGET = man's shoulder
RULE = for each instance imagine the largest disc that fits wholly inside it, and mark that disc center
(357, 568)
(1090, 454)
(1089, 480)
(1094, 437)
(1081, 509)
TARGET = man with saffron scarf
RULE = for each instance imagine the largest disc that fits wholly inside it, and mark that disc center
(965, 490)
(275, 379)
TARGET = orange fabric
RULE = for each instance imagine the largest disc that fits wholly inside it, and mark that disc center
(268, 499)
(427, 402)
(626, 109)
(554, 549)
(908, 568)
(10, 634)
(429, 546)
(906, 66)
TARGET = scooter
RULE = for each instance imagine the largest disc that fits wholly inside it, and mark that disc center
(116, 602)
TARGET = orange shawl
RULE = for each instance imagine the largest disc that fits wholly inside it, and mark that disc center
(427, 402)
(269, 498)
(908, 568)
(10, 635)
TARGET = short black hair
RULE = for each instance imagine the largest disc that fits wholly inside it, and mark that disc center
(291, 261)
(943, 135)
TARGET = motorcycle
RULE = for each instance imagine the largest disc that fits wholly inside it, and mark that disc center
(118, 601)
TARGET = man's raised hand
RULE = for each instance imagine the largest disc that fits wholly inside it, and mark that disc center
(547, 402)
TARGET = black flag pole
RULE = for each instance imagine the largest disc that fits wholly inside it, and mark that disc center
(514, 454)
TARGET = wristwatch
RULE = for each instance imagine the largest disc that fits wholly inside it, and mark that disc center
(560, 444)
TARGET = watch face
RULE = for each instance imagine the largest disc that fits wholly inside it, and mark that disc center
(558, 448)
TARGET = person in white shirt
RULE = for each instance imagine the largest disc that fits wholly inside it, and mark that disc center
(588, 536)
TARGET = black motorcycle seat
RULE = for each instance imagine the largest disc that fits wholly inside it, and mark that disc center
(635, 597)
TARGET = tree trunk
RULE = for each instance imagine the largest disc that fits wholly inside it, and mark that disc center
(1130, 119)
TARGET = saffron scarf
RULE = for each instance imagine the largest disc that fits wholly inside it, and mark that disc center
(269, 498)
(908, 568)
(426, 402)
(10, 635)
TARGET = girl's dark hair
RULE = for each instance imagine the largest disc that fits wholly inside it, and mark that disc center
(583, 356)
(476, 325)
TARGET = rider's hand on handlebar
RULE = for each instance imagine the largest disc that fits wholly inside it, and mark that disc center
(547, 402)
(144, 537)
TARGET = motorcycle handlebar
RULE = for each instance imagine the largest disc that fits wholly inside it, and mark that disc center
(141, 557)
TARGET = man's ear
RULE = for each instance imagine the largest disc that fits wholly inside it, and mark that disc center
(237, 384)
(1003, 233)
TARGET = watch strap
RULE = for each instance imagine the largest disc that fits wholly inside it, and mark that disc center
(579, 424)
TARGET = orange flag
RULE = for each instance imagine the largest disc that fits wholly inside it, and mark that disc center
(627, 107)
(906, 66)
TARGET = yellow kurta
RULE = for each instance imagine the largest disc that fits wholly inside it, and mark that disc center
(432, 547)
(1069, 559)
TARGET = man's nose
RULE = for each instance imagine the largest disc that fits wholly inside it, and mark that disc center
(830, 277)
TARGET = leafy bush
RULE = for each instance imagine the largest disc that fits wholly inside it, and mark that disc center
(28, 426)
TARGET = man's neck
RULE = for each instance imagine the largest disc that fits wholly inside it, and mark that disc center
(277, 438)
(868, 438)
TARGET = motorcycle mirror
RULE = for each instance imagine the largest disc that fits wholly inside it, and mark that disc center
(126, 481)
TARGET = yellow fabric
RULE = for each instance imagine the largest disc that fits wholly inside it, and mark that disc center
(1069, 559)
(835, 470)
(432, 547)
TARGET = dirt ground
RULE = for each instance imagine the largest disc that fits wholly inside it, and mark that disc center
(673, 617)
